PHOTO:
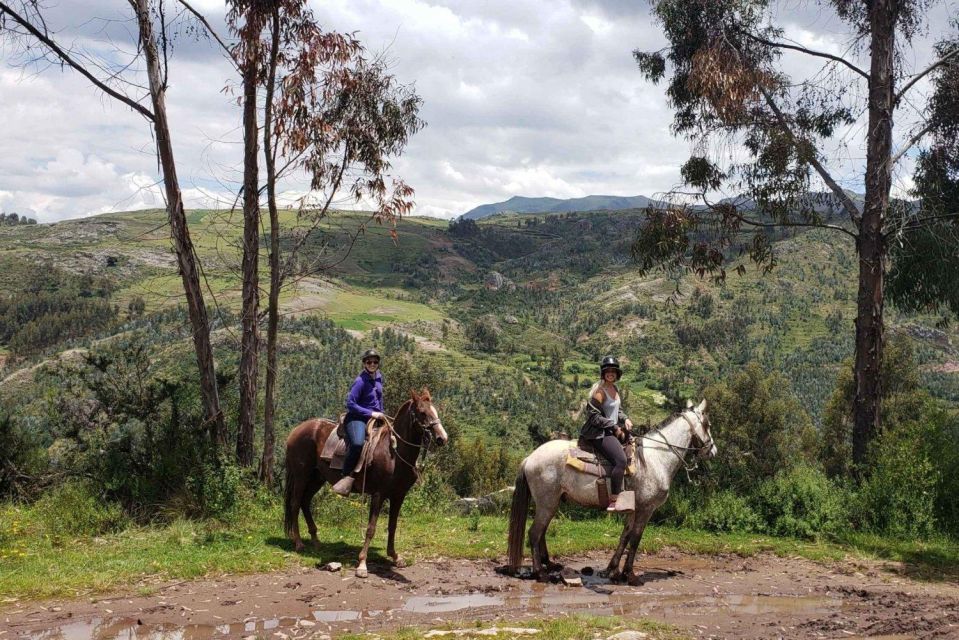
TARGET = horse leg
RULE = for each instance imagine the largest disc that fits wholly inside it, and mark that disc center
(550, 566)
(612, 569)
(376, 503)
(396, 503)
(307, 507)
(545, 510)
(295, 506)
(634, 537)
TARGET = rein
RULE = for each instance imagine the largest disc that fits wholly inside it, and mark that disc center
(430, 424)
(675, 448)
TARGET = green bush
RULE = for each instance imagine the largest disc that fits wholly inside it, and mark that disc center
(761, 428)
(725, 512)
(898, 497)
(217, 490)
(72, 509)
(801, 503)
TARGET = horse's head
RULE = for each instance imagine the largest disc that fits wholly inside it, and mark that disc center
(426, 417)
(702, 437)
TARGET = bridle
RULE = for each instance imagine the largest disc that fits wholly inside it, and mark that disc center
(680, 451)
(428, 429)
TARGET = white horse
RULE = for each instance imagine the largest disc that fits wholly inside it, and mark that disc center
(546, 477)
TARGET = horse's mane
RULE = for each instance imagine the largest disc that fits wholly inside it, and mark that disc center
(666, 421)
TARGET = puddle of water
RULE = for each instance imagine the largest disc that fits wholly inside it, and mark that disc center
(426, 604)
(538, 599)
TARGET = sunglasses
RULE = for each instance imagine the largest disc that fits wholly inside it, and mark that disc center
(371, 361)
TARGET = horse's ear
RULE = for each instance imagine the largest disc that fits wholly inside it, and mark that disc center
(413, 395)
(425, 394)
(689, 403)
(702, 406)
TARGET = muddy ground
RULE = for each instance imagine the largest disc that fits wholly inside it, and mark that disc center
(707, 596)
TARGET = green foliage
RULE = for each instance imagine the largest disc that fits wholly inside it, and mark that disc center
(215, 489)
(900, 375)
(52, 307)
(74, 509)
(477, 469)
(726, 511)
(801, 503)
(484, 334)
(761, 426)
(898, 496)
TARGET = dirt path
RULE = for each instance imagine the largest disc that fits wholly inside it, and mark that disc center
(709, 596)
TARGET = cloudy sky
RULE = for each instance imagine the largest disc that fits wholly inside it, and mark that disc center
(521, 97)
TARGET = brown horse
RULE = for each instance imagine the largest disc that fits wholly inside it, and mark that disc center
(389, 475)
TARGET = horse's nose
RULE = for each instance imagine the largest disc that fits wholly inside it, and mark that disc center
(440, 434)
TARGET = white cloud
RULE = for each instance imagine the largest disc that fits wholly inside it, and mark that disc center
(534, 98)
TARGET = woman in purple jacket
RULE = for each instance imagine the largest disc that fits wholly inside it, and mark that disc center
(364, 402)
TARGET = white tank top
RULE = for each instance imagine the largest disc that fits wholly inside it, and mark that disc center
(610, 406)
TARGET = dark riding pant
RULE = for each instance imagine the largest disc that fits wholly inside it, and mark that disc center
(355, 437)
(612, 450)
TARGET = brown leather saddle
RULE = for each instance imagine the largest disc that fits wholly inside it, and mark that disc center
(334, 449)
(585, 458)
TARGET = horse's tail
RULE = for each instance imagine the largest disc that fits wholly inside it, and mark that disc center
(291, 510)
(517, 520)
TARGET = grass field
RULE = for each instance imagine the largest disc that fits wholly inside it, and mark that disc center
(35, 564)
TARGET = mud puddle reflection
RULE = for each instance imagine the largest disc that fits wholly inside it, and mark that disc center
(537, 600)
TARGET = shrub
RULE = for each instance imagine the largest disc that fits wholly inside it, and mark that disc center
(760, 426)
(217, 490)
(725, 512)
(801, 503)
(73, 509)
(898, 497)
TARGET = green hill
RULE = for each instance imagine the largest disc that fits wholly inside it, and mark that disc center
(525, 305)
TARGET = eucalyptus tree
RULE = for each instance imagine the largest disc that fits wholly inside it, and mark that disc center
(925, 250)
(24, 23)
(763, 133)
(338, 117)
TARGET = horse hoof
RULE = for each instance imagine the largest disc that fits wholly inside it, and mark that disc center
(298, 547)
(554, 566)
(542, 576)
(399, 562)
(615, 576)
(361, 572)
(635, 580)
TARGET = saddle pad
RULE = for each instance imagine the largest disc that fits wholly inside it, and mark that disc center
(334, 450)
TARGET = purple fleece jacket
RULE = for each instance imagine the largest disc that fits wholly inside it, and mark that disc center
(366, 396)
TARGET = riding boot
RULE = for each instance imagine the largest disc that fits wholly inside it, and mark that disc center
(344, 486)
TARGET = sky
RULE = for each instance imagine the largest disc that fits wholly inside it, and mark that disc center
(521, 97)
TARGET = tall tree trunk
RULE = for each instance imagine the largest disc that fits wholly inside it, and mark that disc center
(273, 311)
(250, 340)
(180, 233)
(872, 246)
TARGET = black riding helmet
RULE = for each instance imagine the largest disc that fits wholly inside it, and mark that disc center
(370, 353)
(610, 362)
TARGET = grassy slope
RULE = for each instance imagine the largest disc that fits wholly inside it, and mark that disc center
(37, 566)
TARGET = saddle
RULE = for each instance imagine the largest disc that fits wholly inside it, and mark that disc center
(334, 449)
(584, 458)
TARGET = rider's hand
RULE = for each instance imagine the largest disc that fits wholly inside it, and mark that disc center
(376, 415)
(628, 424)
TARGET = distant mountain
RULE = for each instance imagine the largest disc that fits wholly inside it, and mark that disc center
(522, 204)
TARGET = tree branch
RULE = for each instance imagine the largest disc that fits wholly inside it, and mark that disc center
(65, 57)
(919, 76)
(773, 225)
(913, 140)
(199, 16)
(811, 52)
(846, 201)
